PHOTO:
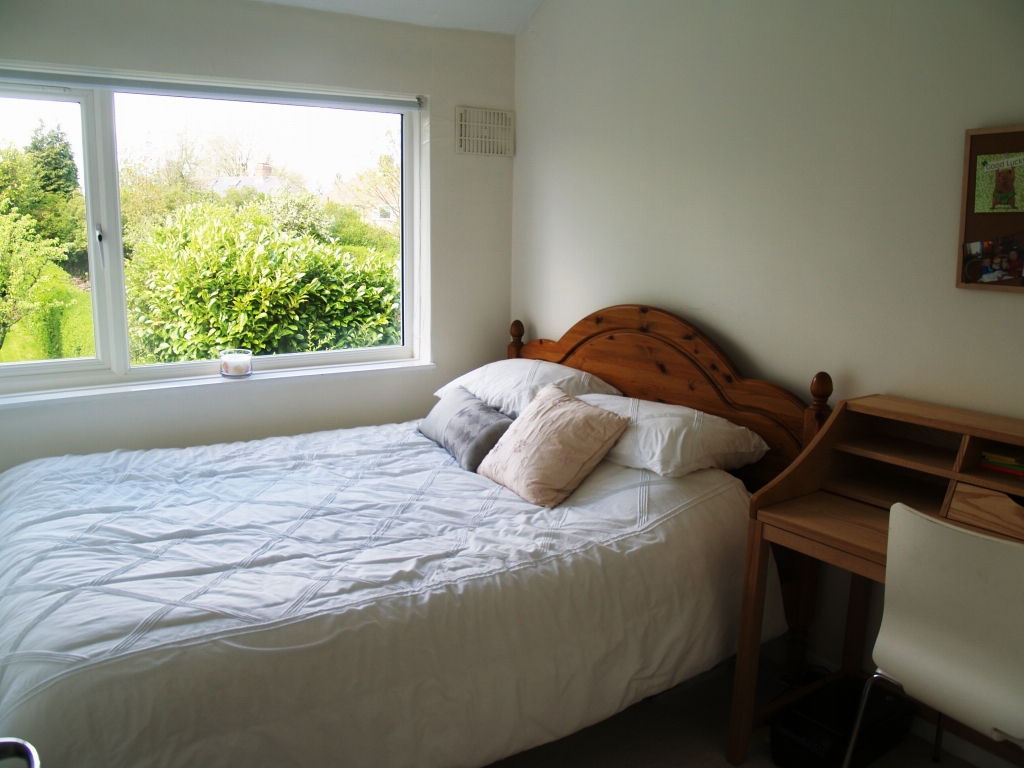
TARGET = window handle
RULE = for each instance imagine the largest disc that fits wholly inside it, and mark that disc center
(103, 251)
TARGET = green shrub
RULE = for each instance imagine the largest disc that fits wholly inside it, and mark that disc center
(59, 324)
(348, 227)
(62, 322)
(213, 276)
(300, 213)
(149, 194)
(25, 260)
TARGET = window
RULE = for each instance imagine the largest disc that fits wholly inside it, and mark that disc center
(45, 302)
(143, 229)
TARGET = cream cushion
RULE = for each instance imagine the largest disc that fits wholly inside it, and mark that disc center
(674, 440)
(510, 385)
(552, 446)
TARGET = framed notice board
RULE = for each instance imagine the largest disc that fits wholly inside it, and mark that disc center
(990, 255)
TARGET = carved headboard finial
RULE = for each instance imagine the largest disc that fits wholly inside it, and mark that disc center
(818, 412)
(821, 388)
(517, 330)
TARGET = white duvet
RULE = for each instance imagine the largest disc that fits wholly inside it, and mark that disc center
(347, 598)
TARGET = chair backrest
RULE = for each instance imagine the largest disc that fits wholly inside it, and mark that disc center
(953, 623)
(21, 749)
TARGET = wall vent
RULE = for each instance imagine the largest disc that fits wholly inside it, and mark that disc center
(485, 131)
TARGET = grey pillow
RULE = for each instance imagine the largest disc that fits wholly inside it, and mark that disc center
(465, 426)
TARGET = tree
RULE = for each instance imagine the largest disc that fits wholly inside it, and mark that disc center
(24, 256)
(382, 185)
(25, 177)
(19, 181)
(181, 166)
(52, 154)
(231, 157)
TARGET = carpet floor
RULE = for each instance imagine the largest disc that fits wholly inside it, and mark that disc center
(686, 727)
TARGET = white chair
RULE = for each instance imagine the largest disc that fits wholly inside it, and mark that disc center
(952, 629)
(20, 749)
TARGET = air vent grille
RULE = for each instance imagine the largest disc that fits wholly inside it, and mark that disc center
(485, 131)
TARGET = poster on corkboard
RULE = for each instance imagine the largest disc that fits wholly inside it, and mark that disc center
(991, 249)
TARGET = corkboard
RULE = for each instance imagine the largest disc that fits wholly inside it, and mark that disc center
(994, 230)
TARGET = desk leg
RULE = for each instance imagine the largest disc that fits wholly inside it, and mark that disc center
(799, 627)
(755, 575)
(856, 624)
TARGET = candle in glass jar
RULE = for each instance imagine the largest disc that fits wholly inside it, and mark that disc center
(236, 362)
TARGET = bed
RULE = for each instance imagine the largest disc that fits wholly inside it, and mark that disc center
(353, 597)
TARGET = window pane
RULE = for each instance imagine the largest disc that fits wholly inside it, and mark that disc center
(45, 302)
(268, 227)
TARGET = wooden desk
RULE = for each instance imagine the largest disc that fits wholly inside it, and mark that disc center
(833, 504)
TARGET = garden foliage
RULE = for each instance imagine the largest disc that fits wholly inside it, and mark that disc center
(265, 276)
(62, 321)
(272, 273)
(41, 181)
(24, 258)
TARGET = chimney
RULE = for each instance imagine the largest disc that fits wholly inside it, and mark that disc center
(264, 171)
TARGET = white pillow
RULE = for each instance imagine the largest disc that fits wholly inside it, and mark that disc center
(673, 440)
(510, 385)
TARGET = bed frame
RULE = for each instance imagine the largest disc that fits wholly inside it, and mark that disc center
(652, 354)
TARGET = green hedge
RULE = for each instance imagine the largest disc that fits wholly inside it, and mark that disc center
(63, 323)
(215, 276)
(60, 326)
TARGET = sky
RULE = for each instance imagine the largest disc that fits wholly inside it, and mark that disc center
(318, 143)
(20, 116)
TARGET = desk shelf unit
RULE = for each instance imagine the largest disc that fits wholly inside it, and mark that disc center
(878, 450)
(832, 504)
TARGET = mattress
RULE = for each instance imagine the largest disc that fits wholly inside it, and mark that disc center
(350, 598)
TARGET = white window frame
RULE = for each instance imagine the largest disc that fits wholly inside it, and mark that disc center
(111, 367)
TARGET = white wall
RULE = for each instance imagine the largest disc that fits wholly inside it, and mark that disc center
(471, 201)
(785, 173)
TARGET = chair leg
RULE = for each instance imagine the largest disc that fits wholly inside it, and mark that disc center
(856, 722)
(940, 724)
(879, 675)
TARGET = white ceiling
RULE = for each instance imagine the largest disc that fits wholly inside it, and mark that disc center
(507, 16)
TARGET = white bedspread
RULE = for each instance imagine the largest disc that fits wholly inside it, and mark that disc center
(347, 598)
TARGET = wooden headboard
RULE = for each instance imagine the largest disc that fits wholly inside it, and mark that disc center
(651, 354)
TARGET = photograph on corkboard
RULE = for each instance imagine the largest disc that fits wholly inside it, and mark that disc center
(991, 250)
(998, 262)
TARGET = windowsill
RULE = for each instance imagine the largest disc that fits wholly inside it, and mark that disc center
(346, 369)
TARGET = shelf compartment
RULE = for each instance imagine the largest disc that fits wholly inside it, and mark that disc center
(971, 465)
(902, 452)
(849, 526)
(939, 416)
(882, 486)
